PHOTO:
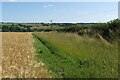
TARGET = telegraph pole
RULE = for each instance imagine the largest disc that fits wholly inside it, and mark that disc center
(51, 22)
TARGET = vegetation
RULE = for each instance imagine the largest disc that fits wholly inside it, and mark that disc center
(74, 50)
(8, 27)
(71, 56)
(109, 31)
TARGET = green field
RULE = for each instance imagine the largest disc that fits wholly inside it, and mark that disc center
(74, 50)
(69, 55)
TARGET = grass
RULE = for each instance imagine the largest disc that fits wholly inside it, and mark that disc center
(56, 60)
(71, 56)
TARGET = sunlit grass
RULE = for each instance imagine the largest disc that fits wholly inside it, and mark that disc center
(96, 58)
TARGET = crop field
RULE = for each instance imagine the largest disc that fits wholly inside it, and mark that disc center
(57, 55)
(68, 55)
(0, 55)
(18, 57)
(59, 40)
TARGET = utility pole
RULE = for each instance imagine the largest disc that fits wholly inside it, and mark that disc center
(51, 22)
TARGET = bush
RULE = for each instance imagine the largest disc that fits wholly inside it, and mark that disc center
(114, 24)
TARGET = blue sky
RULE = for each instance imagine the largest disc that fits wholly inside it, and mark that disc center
(63, 12)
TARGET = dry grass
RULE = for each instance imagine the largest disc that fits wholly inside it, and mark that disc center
(0, 55)
(18, 60)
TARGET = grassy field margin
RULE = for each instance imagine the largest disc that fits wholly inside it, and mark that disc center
(60, 64)
(63, 65)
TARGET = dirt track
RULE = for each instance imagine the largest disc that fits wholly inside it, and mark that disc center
(18, 60)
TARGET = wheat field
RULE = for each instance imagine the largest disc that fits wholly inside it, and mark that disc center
(18, 58)
(0, 55)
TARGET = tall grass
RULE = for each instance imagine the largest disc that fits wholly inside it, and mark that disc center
(92, 58)
(61, 65)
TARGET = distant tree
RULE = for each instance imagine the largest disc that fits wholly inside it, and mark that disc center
(28, 29)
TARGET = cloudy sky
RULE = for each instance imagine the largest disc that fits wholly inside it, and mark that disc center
(69, 12)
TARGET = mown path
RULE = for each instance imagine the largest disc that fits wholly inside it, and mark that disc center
(18, 60)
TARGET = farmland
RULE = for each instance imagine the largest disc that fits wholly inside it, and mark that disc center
(32, 50)
(69, 55)
(59, 40)
(18, 59)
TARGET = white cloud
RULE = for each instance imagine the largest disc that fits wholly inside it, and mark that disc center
(44, 6)
(48, 5)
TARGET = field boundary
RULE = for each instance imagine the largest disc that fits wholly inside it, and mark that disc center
(60, 64)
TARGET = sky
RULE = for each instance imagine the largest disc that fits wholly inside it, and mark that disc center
(59, 0)
(59, 12)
